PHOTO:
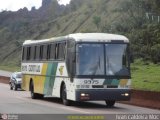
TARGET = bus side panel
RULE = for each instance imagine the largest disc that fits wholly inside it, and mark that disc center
(69, 86)
(70, 90)
(39, 80)
(25, 82)
(57, 86)
(61, 77)
(39, 83)
(50, 78)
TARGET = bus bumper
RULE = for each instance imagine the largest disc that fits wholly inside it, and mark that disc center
(105, 94)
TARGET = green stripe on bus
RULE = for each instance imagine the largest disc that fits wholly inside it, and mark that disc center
(107, 82)
(49, 82)
(111, 82)
(54, 73)
(115, 82)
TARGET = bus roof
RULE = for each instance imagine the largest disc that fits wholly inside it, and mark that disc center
(83, 37)
(99, 37)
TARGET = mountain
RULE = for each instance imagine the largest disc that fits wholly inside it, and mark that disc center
(137, 19)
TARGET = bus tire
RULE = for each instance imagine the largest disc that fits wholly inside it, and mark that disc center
(33, 95)
(64, 96)
(110, 103)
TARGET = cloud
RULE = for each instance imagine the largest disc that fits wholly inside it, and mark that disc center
(14, 5)
(64, 2)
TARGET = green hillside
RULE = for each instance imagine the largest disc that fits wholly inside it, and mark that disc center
(145, 76)
(139, 20)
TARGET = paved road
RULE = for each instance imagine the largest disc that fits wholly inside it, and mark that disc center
(19, 102)
(5, 73)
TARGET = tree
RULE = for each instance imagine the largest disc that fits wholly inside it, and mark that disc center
(97, 21)
(155, 53)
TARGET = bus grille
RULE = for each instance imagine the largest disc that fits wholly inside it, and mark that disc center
(104, 86)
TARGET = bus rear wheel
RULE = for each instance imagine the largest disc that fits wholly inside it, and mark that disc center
(64, 96)
(110, 103)
(33, 95)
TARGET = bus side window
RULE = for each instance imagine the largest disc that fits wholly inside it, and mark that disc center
(32, 52)
(61, 51)
(48, 51)
(53, 51)
(24, 58)
(58, 51)
(44, 53)
(35, 47)
(23, 54)
(28, 53)
(64, 50)
(37, 52)
(41, 52)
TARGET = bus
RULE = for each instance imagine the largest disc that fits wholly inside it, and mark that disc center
(78, 67)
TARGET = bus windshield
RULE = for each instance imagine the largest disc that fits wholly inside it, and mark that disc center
(90, 59)
(102, 59)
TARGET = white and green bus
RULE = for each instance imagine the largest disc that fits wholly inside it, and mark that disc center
(78, 67)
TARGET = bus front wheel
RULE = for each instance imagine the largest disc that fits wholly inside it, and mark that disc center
(110, 103)
(64, 96)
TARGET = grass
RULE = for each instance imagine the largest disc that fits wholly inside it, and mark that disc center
(145, 76)
(10, 68)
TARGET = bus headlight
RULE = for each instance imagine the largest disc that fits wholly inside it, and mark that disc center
(84, 96)
(126, 94)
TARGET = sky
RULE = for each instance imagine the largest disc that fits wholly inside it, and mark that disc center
(14, 5)
(64, 2)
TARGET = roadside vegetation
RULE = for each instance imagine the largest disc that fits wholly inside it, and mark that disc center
(11, 68)
(145, 76)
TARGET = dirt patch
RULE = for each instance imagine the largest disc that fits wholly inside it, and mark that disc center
(139, 98)
(145, 99)
(4, 79)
